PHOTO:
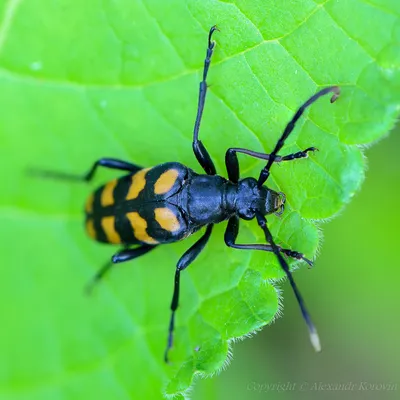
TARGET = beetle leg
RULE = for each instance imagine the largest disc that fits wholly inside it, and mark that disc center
(123, 255)
(188, 257)
(264, 174)
(231, 233)
(202, 155)
(111, 163)
(299, 154)
(232, 163)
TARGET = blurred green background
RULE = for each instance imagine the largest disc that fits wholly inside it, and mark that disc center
(353, 295)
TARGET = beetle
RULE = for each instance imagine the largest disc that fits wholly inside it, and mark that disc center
(148, 207)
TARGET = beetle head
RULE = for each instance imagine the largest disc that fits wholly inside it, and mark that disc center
(272, 202)
(253, 198)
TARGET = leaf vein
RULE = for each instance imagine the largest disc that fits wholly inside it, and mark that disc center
(11, 9)
(182, 60)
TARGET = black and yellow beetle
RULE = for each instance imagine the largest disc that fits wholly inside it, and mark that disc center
(170, 202)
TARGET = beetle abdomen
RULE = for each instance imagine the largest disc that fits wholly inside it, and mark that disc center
(133, 208)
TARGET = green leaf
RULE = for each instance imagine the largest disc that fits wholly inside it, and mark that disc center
(79, 81)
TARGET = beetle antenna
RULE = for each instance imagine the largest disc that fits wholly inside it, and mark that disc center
(264, 174)
(314, 338)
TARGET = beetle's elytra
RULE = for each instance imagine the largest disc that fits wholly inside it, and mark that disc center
(168, 202)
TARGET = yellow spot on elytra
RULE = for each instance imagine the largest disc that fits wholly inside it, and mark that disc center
(167, 219)
(89, 204)
(139, 226)
(108, 225)
(165, 182)
(90, 228)
(107, 195)
(137, 185)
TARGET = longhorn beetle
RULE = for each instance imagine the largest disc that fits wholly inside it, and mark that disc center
(169, 202)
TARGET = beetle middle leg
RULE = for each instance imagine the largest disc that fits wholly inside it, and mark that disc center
(188, 257)
(232, 162)
(122, 256)
(202, 155)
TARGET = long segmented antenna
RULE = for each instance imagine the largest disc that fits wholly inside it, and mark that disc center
(264, 174)
(314, 338)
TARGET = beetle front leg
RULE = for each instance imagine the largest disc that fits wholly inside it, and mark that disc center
(231, 234)
(232, 162)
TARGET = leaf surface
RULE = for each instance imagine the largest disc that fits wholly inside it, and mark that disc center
(80, 81)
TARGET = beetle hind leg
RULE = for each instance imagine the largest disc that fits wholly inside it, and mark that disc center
(121, 256)
(110, 163)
